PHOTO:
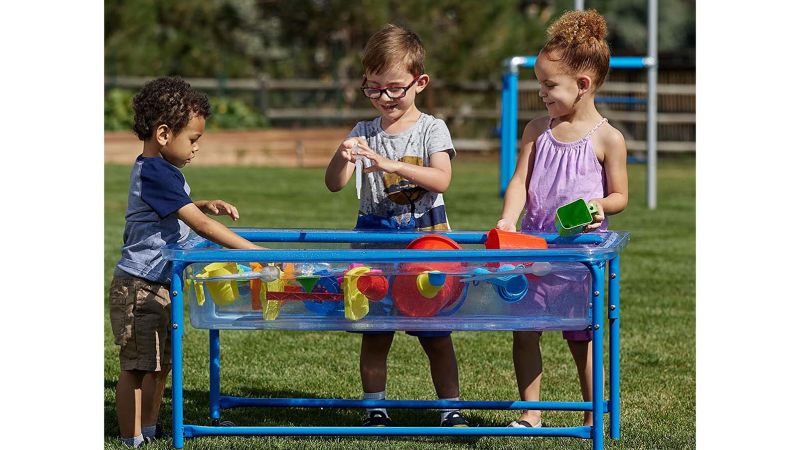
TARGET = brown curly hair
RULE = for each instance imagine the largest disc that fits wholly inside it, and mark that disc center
(169, 101)
(391, 45)
(578, 40)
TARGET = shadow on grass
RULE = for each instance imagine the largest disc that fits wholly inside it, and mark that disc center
(196, 412)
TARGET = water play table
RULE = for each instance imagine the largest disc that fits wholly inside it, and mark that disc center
(474, 304)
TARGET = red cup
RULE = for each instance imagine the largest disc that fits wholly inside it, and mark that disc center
(497, 239)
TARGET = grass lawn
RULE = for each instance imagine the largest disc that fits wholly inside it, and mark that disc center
(657, 326)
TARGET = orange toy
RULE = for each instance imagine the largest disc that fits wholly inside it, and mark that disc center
(497, 239)
(373, 285)
(405, 293)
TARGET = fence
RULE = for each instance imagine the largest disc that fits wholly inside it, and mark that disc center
(470, 108)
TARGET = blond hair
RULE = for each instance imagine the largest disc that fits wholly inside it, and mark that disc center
(394, 45)
(578, 40)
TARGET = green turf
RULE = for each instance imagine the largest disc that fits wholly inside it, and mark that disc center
(657, 326)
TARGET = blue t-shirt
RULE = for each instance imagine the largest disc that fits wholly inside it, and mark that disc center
(157, 191)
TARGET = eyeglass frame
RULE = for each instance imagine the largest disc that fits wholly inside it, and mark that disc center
(385, 89)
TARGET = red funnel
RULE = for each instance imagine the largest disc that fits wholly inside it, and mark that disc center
(405, 295)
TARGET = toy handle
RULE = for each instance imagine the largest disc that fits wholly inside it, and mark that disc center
(592, 208)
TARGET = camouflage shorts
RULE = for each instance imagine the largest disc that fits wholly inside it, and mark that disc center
(140, 319)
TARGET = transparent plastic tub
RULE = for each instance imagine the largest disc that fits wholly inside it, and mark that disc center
(309, 287)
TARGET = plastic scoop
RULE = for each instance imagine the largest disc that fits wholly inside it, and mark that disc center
(538, 269)
(230, 272)
(509, 283)
(573, 217)
(222, 292)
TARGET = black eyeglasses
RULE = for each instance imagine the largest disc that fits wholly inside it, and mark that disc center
(392, 92)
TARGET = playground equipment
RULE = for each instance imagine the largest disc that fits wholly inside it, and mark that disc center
(478, 307)
(508, 112)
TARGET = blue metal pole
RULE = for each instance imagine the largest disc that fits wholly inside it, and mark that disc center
(227, 402)
(213, 374)
(176, 308)
(598, 281)
(613, 347)
(508, 122)
(576, 432)
(373, 236)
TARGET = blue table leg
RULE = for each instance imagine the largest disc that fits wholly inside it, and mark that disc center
(214, 369)
(598, 282)
(176, 288)
(613, 344)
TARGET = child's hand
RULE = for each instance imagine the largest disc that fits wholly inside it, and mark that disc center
(348, 148)
(378, 162)
(506, 225)
(220, 208)
(598, 217)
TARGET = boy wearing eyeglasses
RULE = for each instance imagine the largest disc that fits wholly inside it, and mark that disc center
(406, 168)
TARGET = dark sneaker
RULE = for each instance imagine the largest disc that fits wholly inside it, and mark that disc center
(377, 419)
(159, 433)
(454, 419)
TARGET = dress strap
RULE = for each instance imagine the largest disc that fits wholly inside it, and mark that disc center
(550, 124)
(599, 124)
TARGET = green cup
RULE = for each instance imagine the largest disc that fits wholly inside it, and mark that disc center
(572, 217)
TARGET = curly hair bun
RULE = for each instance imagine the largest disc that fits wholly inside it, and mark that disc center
(579, 27)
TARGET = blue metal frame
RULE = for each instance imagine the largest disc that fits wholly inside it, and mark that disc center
(508, 107)
(594, 258)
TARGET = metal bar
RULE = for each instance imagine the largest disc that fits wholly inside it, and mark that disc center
(395, 256)
(342, 236)
(616, 62)
(228, 402)
(613, 347)
(508, 123)
(598, 281)
(652, 101)
(176, 310)
(214, 374)
(575, 432)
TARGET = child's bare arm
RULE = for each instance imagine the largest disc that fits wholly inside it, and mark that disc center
(213, 230)
(435, 178)
(615, 156)
(341, 167)
(517, 189)
(218, 208)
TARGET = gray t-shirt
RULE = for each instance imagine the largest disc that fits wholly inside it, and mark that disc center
(389, 201)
